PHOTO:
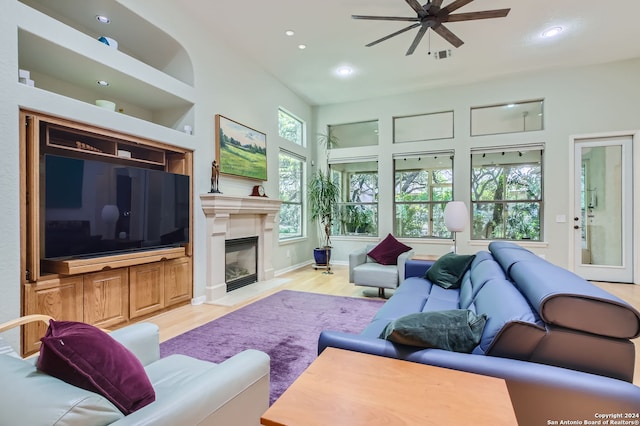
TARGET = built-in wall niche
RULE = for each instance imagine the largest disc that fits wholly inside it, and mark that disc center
(353, 135)
(135, 36)
(513, 117)
(423, 127)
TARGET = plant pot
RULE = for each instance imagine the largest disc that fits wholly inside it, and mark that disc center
(322, 255)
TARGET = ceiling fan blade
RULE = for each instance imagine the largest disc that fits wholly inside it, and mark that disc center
(470, 16)
(386, 18)
(417, 7)
(380, 40)
(417, 40)
(454, 6)
(436, 3)
(447, 35)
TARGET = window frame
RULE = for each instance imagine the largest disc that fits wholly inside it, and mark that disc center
(505, 202)
(430, 203)
(302, 196)
(340, 226)
(293, 117)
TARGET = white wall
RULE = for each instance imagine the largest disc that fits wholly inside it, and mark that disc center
(226, 83)
(594, 99)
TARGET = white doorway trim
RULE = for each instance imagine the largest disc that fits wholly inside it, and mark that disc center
(635, 140)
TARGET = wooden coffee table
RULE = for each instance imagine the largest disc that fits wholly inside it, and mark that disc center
(350, 388)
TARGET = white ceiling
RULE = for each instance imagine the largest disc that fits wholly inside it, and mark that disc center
(594, 32)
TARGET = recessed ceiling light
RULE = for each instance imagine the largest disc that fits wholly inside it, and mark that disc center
(344, 71)
(289, 33)
(302, 46)
(103, 19)
(552, 32)
(102, 83)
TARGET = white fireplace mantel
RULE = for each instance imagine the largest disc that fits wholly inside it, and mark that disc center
(230, 217)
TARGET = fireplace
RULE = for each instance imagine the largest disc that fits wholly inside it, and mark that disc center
(228, 218)
(241, 262)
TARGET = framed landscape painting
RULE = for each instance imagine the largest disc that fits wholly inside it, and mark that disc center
(240, 150)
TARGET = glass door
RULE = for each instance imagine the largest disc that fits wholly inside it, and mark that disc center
(603, 206)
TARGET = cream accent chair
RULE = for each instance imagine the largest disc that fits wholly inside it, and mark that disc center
(188, 391)
(365, 271)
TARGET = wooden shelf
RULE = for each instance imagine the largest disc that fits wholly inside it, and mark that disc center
(88, 143)
(104, 263)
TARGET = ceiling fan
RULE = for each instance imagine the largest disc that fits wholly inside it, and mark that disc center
(432, 15)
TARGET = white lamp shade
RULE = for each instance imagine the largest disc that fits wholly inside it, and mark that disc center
(456, 216)
(110, 213)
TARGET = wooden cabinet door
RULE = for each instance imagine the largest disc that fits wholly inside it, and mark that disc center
(106, 297)
(178, 284)
(60, 298)
(146, 289)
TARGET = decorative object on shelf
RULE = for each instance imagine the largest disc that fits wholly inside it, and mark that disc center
(111, 106)
(215, 176)
(24, 77)
(241, 150)
(87, 147)
(188, 129)
(109, 42)
(455, 219)
(258, 191)
(124, 153)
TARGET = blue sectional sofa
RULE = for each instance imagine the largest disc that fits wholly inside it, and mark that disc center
(561, 344)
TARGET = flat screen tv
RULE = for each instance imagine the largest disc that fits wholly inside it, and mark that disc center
(96, 208)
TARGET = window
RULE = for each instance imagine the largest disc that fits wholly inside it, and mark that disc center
(423, 127)
(290, 128)
(354, 135)
(358, 209)
(291, 172)
(423, 186)
(506, 193)
(507, 118)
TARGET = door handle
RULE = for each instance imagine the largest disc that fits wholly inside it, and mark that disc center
(576, 227)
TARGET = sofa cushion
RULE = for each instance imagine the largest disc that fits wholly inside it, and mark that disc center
(87, 357)
(448, 270)
(31, 397)
(376, 275)
(456, 330)
(388, 250)
(483, 268)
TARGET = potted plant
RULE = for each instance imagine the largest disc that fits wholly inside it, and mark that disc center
(324, 195)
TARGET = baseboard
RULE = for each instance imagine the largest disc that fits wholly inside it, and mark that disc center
(198, 300)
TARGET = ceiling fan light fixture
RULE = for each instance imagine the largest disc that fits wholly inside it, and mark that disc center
(552, 32)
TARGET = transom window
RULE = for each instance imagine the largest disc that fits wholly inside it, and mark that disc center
(290, 128)
(423, 186)
(506, 193)
(358, 207)
(291, 172)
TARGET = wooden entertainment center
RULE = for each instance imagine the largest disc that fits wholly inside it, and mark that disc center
(105, 290)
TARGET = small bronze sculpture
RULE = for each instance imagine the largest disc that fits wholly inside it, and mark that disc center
(215, 175)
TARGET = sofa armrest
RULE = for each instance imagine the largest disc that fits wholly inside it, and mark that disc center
(356, 258)
(143, 339)
(417, 268)
(402, 260)
(234, 392)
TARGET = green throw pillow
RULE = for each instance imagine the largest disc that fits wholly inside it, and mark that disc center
(457, 330)
(447, 271)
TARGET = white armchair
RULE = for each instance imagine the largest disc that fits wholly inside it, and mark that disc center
(365, 271)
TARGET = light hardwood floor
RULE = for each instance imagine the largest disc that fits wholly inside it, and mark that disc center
(185, 318)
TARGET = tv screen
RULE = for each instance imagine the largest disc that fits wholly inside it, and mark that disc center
(96, 208)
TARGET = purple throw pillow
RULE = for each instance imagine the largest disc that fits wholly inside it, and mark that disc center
(87, 357)
(388, 250)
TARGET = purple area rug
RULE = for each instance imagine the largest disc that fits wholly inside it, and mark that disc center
(285, 325)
